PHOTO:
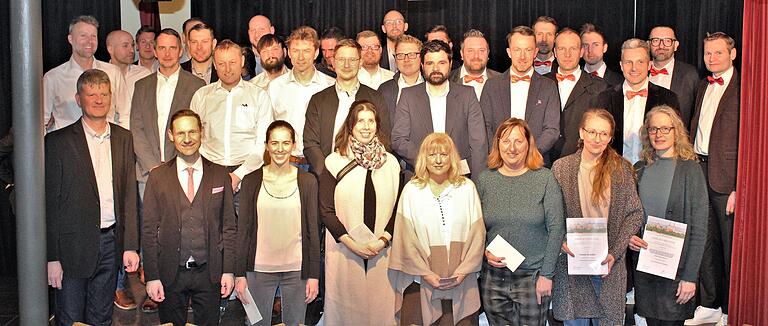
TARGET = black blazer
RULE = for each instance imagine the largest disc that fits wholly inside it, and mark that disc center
(388, 91)
(188, 67)
(613, 78)
(73, 214)
(583, 97)
(612, 100)
(248, 224)
(161, 233)
(321, 116)
(384, 59)
(685, 78)
(724, 135)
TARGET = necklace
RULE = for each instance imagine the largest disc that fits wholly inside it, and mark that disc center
(279, 197)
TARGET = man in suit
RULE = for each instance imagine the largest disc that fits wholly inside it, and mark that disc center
(670, 73)
(523, 93)
(328, 109)
(189, 213)
(715, 136)
(474, 71)
(595, 46)
(371, 74)
(393, 25)
(440, 106)
(631, 100)
(90, 207)
(150, 113)
(577, 89)
(545, 29)
(407, 54)
(201, 43)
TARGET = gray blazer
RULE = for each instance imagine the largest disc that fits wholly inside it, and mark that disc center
(146, 136)
(685, 78)
(542, 109)
(463, 122)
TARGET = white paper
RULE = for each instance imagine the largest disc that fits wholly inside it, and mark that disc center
(361, 234)
(463, 167)
(665, 244)
(254, 316)
(588, 241)
(501, 248)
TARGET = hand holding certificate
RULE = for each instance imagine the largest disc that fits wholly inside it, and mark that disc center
(501, 248)
(588, 241)
(665, 240)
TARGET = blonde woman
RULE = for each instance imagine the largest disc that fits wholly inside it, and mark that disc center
(439, 236)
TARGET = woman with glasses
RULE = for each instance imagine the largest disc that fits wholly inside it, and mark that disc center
(671, 185)
(596, 183)
(358, 194)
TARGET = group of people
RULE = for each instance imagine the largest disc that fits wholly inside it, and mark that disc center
(376, 177)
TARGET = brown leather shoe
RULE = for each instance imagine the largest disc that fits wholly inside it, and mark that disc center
(149, 305)
(124, 300)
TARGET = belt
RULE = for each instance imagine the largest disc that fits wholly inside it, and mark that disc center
(703, 158)
(298, 160)
(109, 228)
(192, 265)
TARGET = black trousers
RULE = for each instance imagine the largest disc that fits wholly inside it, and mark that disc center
(715, 270)
(195, 284)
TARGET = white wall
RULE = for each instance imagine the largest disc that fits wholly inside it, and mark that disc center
(172, 14)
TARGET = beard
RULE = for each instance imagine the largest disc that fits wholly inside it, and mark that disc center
(273, 64)
(544, 48)
(437, 78)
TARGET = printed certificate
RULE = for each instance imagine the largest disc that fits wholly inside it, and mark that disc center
(665, 244)
(588, 240)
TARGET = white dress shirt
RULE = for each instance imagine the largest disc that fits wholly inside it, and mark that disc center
(518, 93)
(392, 60)
(131, 75)
(166, 87)
(600, 70)
(60, 87)
(100, 149)
(346, 98)
(374, 80)
(234, 124)
(437, 106)
(662, 79)
(183, 175)
(566, 86)
(290, 98)
(262, 79)
(634, 114)
(543, 70)
(709, 105)
(401, 83)
(477, 86)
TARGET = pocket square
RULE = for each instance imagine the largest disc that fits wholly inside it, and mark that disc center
(538, 102)
(217, 190)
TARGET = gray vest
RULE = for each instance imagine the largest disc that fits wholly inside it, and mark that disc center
(193, 239)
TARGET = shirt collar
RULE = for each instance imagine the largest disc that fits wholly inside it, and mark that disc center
(625, 86)
(576, 73)
(669, 66)
(219, 87)
(93, 134)
(182, 165)
(172, 77)
(726, 75)
(444, 94)
(464, 72)
(351, 93)
(401, 81)
(315, 77)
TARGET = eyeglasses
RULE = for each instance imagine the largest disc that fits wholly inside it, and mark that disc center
(594, 133)
(371, 47)
(394, 22)
(663, 130)
(409, 55)
(666, 41)
(342, 61)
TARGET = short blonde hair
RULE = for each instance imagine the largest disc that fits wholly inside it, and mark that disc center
(304, 33)
(433, 142)
(533, 159)
(683, 146)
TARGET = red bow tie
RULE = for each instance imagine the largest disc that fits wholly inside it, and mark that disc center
(516, 79)
(468, 78)
(594, 73)
(642, 92)
(561, 77)
(662, 71)
(538, 63)
(713, 80)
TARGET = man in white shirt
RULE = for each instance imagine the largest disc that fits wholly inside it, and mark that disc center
(60, 108)
(408, 54)
(371, 74)
(545, 29)
(474, 71)
(594, 44)
(272, 56)
(145, 45)
(258, 26)
(235, 115)
(290, 93)
(200, 42)
(120, 46)
(670, 73)
(393, 25)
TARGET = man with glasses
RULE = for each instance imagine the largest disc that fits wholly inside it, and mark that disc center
(594, 44)
(407, 54)
(328, 109)
(474, 71)
(393, 26)
(371, 74)
(670, 73)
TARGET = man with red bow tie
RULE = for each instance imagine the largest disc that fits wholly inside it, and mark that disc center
(474, 71)
(545, 29)
(670, 73)
(523, 93)
(632, 99)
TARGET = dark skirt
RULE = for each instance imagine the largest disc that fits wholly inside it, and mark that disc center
(655, 297)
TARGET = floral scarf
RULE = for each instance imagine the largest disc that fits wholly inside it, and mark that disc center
(370, 156)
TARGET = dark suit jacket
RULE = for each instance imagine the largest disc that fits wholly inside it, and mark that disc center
(582, 98)
(146, 138)
(388, 91)
(188, 67)
(685, 78)
(542, 110)
(463, 122)
(321, 116)
(72, 208)
(455, 75)
(161, 233)
(612, 100)
(384, 60)
(724, 135)
(613, 78)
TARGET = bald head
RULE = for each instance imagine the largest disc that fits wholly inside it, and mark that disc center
(121, 47)
(259, 26)
(394, 25)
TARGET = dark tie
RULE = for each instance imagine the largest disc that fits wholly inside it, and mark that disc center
(369, 207)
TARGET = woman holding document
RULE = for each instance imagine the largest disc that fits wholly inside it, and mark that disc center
(596, 183)
(672, 186)
(522, 204)
(439, 237)
(278, 199)
(358, 193)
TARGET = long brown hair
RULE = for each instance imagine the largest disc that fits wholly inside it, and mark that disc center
(342, 137)
(608, 163)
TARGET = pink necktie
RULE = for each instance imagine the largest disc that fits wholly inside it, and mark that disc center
(191, 184)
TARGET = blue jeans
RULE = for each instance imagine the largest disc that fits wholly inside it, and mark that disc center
(597, 282)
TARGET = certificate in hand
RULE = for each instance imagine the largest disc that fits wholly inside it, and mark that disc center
(361, 234)
(665, 244)
(588, 240)
(499, 247)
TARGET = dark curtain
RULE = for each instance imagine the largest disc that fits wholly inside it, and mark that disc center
(7, 221)
(749, 291)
